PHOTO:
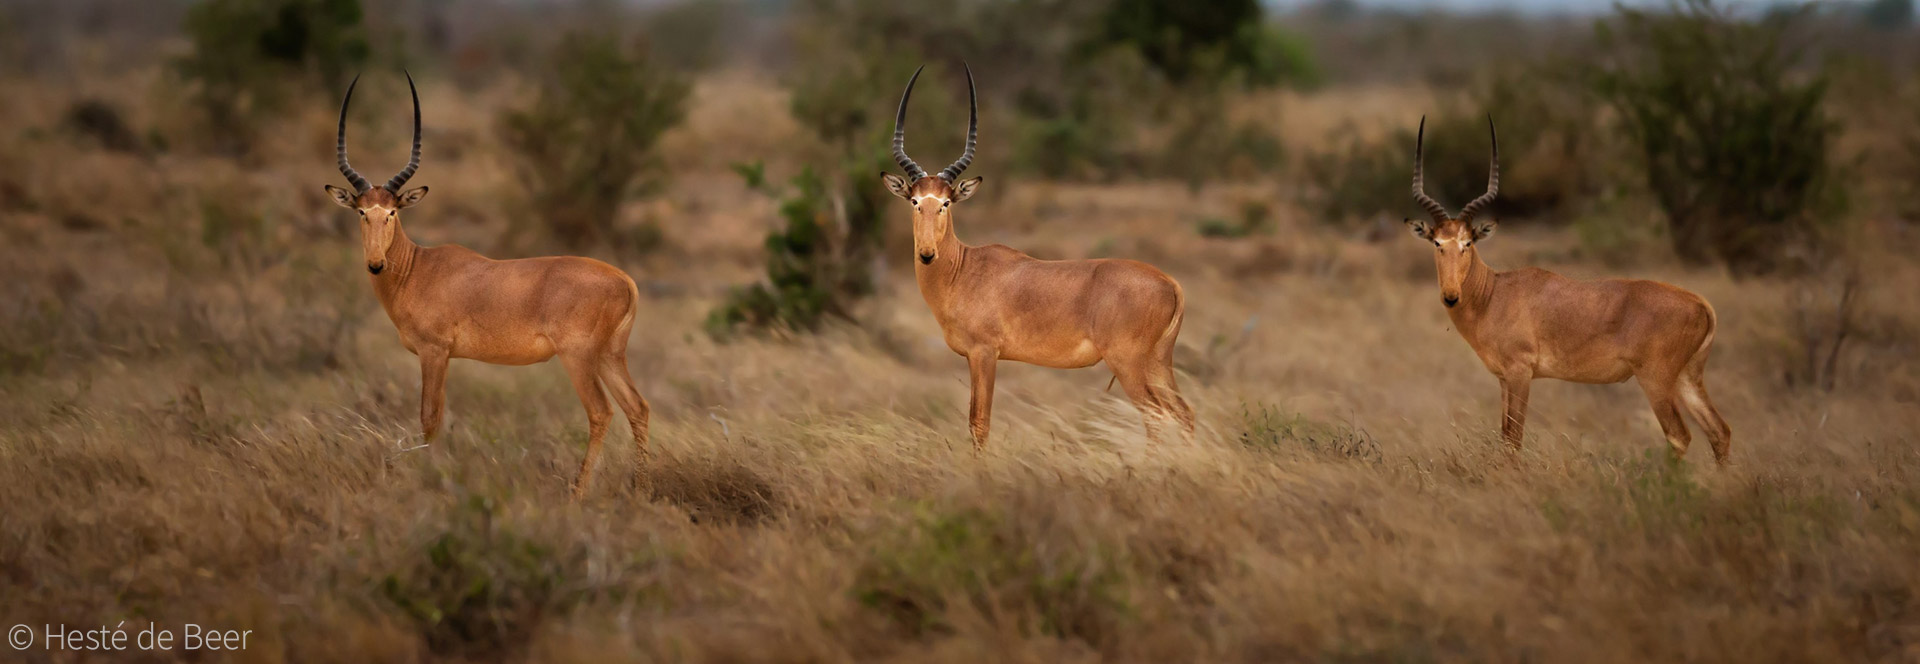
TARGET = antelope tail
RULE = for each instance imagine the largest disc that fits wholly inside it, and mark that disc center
(633, 308)
(1179, 314)
(1713, 327)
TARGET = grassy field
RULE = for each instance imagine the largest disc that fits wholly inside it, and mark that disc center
(220, 427)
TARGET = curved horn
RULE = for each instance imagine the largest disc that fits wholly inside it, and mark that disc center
(1434, 208)
(413, 162)
(973, 131)
(900, 133)
(353, 177)
(1493, 177)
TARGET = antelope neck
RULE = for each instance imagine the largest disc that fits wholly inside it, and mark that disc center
(399, 265)
(937, 279)
(1475, 293)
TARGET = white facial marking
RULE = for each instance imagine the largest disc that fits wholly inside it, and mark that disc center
(928, 197)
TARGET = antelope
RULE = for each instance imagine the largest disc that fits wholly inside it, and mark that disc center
(995, 303)
(450, 302)
(1530, 323)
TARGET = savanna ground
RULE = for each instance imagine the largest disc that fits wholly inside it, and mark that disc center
(220, 427)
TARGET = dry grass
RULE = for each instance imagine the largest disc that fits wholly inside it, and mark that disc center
(815, 500)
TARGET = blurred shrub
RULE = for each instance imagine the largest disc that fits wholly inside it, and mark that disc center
(1087, 90)
(1255, 217)
(821, 256)
(687, 35)
(1193, 42)
(1824, 317)
(1267, 428)
(1282, 57)
(1552, 154)
(817, 261)
(478, 588)
(1731, 133)
(586, 143)
(917, 572)
(1205, 145)
(1620, 231)
(101, 122)
(246, 51)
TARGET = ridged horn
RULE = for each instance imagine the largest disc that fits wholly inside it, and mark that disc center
(413, 162)
(913, 170)
(1434, 208)
(1493, 178)
(340, 147)
(973, 131)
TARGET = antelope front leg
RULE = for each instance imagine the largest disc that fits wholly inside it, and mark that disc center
(1513, 418)
(980, 364)
(433, 390)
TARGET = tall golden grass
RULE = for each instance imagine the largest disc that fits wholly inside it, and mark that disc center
(168, 457)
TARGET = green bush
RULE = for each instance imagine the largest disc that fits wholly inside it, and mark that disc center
(478, 588)
(1730, 129)
(1189, 41)
(1552, 155)
(819, 260)
(246, 52)
(812, 271)
(916, 572)
(102, 123)
(1269, 429)
(1085, 90)
(586, 143)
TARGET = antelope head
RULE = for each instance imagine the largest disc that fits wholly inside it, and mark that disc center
(379, 207)
(1453, 238)
(932, 198)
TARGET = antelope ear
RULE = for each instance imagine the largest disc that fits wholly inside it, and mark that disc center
(343, 197)
(896, 184)
(412, 196)
(1419, 227)
(966, 189)
(1483, 230)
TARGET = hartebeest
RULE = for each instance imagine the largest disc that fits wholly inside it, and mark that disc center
(449, 302)
(994, 303)
(1531, 323)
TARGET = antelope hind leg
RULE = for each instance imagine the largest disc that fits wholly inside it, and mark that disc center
(1166, 394)
(585, 382)
(1693, 394)
(1134, 381)
(614, 374)
(1662, 396)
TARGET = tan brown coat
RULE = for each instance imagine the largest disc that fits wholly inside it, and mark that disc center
(995, 303)
(1531, 323)
(448, 302)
